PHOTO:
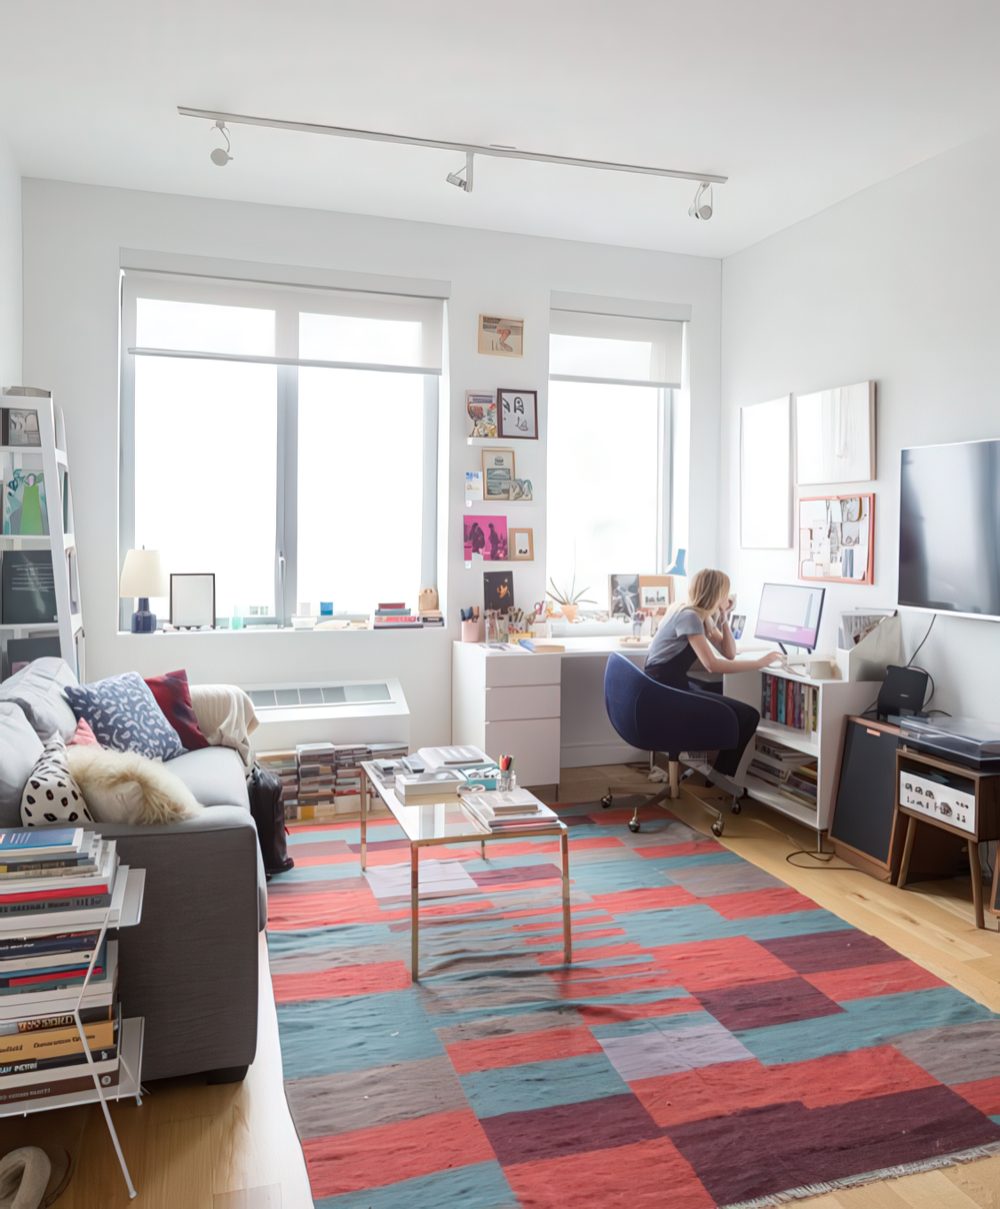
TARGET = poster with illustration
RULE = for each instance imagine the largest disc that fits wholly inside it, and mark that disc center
(501, 337)
(498, 590)
(481, 408)
(485, 537)
(24, 507)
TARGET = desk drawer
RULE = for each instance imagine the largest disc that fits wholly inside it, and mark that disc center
(524, 669)
(514, 703)
(534, 746)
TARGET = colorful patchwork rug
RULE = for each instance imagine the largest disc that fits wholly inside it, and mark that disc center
(719, 1039)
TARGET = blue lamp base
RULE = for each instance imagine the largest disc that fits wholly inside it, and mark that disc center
(679, 560)
(143, 621)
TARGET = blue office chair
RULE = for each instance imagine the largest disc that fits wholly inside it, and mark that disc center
(655, 717)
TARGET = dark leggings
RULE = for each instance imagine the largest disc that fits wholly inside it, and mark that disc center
(747, 718)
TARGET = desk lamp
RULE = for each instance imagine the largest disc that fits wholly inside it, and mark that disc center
(142, 577)
(678, 567)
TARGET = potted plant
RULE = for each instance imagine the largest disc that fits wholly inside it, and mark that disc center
(569, 601)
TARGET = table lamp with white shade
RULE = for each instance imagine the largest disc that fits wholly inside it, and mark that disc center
(142, 577)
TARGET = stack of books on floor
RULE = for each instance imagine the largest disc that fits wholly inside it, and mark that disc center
(285, 765)
(64, 877)
(786, 769)
(316, 779)
(327, 776)
(510, 810)
(386, 756)
(789, 703)
(395, 615)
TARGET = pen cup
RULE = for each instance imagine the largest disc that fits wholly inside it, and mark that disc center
(506, 781)
(472, 631)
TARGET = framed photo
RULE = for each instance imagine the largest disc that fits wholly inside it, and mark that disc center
(498, 590)
(498, 473)
(738, 623)
(485, 537)
(192, 600)
(835, 435)
(473, 485)
(837, 538)
(501, 337)
(656, 591)
(766, 475)
(481, 408)
(20, 427)
(518, 414)
(623, 591)
(522, 545)
(521, 489)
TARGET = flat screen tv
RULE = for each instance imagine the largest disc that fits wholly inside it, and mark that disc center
(949, 528)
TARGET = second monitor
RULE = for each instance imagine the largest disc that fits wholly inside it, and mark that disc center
(789, 614)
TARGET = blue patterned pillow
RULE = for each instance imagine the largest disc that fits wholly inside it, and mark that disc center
(123, 714)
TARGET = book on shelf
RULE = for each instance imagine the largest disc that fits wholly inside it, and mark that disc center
(64, 1042)
(459, 755)
(27, 588)
(789, 703)
(61, 999)
(29, 953)
(526, 819)
(92, 1014)
(75, 891)
(25, 509)
(46, 839)
(47, 1088)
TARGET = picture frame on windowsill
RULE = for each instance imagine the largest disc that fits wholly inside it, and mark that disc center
(192, 600)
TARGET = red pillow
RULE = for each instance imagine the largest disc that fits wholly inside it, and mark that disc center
(83, 736)
(174, 697)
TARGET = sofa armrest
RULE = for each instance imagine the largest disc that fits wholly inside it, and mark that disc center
(190, 966)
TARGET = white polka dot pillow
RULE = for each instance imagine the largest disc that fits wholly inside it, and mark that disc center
(51, 795)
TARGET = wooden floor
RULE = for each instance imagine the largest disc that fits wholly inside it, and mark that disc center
(197, 1147)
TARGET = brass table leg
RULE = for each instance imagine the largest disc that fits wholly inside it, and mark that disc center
(364, 821)
(482, 847)
(567, 934)
(414, 912)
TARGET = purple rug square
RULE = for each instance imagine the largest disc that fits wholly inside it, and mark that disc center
(524, 873)
(761, 1004)
(824, 951)
(547, 1133)
(643, 1055)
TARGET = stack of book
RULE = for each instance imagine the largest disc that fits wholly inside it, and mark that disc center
(785, 768)
(316, 779)
(512, 810)
(285, 765)
(422, 787)
(789, 703)
(395, 615)
(65, 876)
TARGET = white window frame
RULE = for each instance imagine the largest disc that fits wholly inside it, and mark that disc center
(287, 301)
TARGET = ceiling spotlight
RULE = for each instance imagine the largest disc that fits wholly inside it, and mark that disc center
(459, 180)
(701, 207)
(220, 155)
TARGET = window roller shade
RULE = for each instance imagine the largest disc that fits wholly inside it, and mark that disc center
(615, 348)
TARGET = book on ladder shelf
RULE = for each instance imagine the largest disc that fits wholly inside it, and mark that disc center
(63, 1041)
(39, 576)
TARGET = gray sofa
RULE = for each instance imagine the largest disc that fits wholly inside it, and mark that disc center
(190, 966)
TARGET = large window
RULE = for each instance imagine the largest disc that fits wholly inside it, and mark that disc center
(268, 435)
(610, 447)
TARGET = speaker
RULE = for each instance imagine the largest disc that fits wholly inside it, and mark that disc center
(902, 692)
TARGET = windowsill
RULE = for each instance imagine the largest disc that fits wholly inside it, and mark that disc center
(277, 630)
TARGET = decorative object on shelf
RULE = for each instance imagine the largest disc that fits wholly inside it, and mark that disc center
(485, 537)
(678, 567)
(27, 588)
(522, 545)
(623, 593)
(570, 599)
(835, 435)
(501, 337)
(481, 408)
(517, 412)
(25, 510)
(837, 538)
(498, 590)
(142, 577)
(192, 600)
(737, 624)
(765, 475)
(19, 426)
(521, 489)
(498, 473)
(655, 591)
(473, 485)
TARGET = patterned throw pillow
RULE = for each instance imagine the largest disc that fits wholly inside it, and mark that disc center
(51, 795)
(124, 716)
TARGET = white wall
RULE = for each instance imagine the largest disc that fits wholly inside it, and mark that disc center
(10, 269)
(73, 235)
(899, 284)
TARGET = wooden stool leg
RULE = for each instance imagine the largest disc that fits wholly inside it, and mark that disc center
(904, 864)
(977, 883)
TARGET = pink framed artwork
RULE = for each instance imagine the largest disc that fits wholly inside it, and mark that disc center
(485, 537)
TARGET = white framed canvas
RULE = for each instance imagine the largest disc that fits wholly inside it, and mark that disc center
(766, 475)
(835, 435)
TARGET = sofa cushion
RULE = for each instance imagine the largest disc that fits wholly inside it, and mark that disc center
(173, 696)
(20, 749)
(215, 775)
(124, 716)
(51, 795)
(38, 690)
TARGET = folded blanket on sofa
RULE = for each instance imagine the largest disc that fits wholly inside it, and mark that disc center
(226, 717)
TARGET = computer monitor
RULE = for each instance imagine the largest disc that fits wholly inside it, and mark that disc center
(789, 615)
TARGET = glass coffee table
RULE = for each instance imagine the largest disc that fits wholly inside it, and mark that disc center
(449, 823)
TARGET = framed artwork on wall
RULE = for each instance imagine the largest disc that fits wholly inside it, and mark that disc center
(485, 537)
(656, 591)
(500, 337)
(517, 413)
(766, 475)
(522, 545)
(837, 538)
(835, 435)
(481, 409)
(498, 590)
(498, 473)
(623, 594)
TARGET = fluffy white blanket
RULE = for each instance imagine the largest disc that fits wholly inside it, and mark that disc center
(123, 787)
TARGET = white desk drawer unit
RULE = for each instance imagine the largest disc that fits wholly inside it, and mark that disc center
(938, 800)
(517, 702)
(519, 668)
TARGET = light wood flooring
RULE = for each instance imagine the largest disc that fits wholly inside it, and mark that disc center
(197, 1147)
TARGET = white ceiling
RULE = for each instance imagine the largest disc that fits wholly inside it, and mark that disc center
(800, 102)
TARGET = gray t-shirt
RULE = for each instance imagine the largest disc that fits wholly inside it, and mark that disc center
(671, 639)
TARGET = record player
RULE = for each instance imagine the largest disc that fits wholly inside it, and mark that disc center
(971, 742)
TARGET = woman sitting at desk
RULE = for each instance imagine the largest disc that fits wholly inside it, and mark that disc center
(697, 630)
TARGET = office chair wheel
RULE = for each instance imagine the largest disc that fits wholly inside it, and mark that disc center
(718, 827)
(736, 807)
(607, 800)
(633, 825)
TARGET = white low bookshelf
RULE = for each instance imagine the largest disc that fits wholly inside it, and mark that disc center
(836, 701)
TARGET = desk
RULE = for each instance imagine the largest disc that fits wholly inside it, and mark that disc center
(546, 708)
